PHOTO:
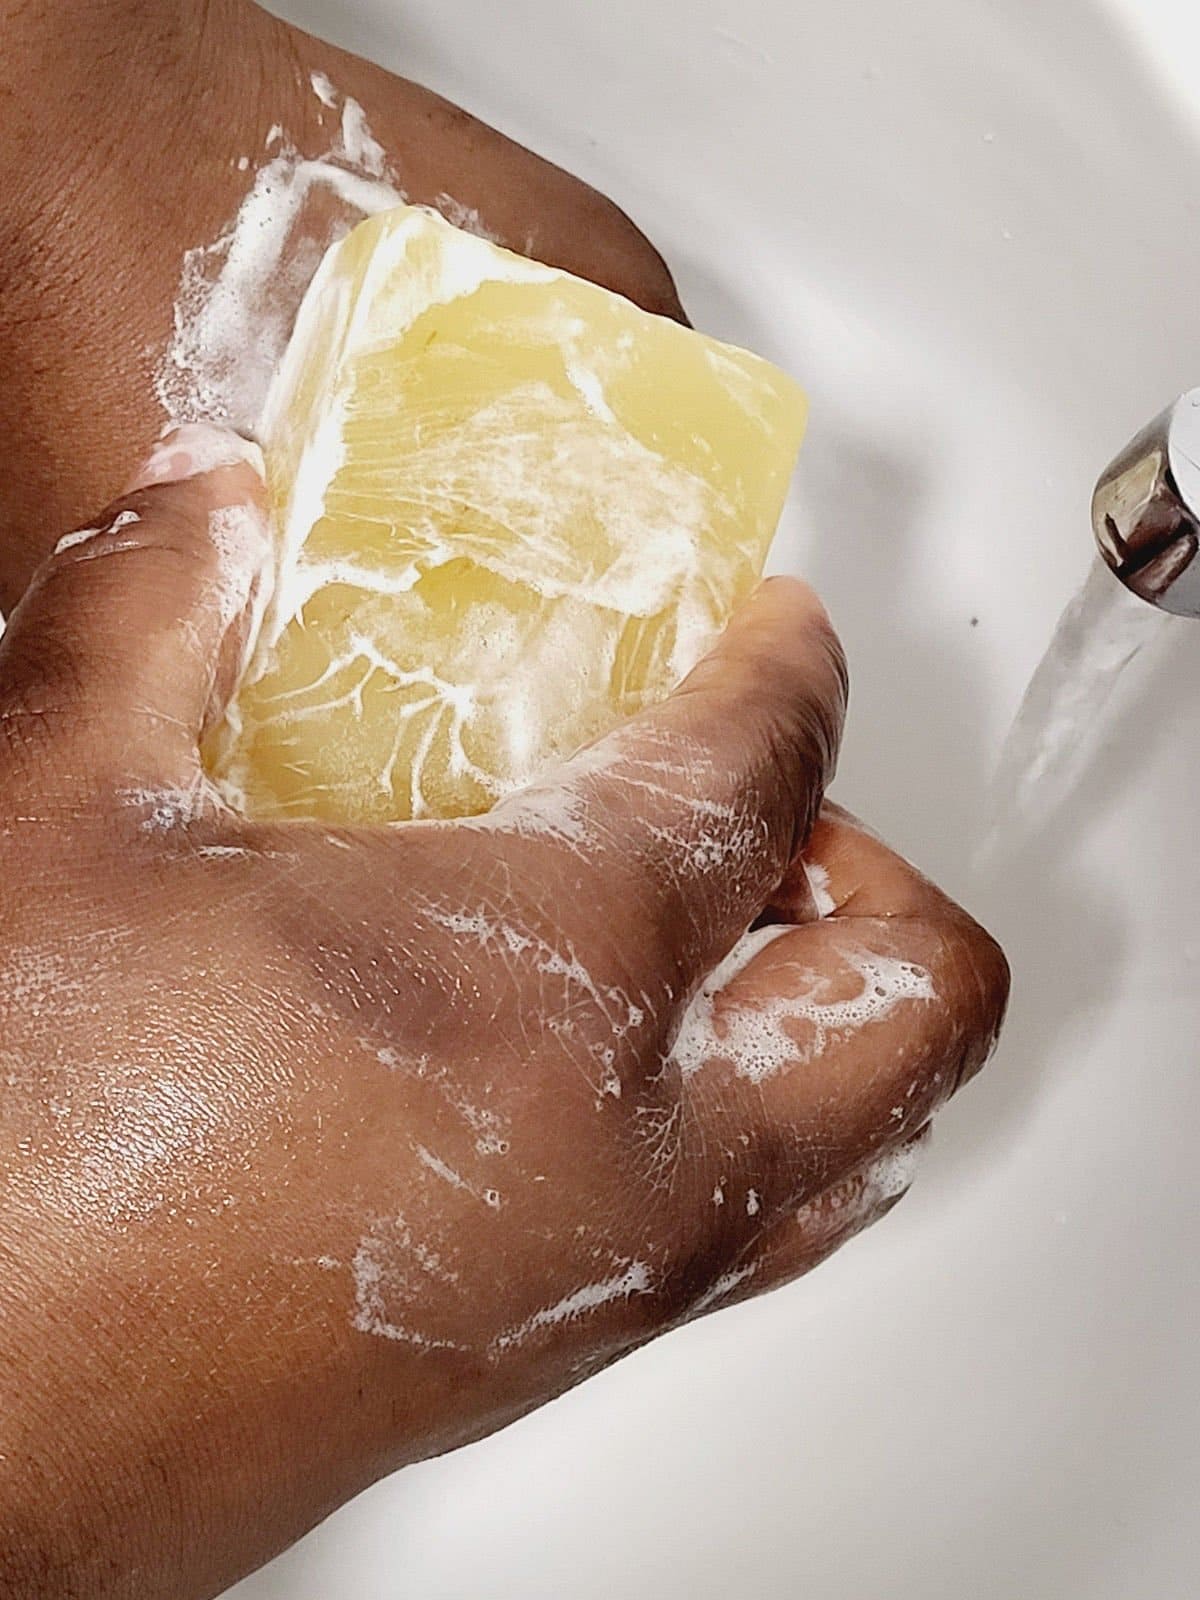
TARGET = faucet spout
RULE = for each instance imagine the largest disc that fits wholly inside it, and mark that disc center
(1146, 511)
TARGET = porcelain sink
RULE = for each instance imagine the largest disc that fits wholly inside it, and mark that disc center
(972, 229)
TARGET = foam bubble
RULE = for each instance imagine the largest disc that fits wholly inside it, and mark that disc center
(783, 1031)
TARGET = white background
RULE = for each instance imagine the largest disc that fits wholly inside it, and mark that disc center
(972, 228)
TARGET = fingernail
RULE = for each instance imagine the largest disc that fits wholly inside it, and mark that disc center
(193, 450)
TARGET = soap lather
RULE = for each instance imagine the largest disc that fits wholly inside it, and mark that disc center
(1146, 511)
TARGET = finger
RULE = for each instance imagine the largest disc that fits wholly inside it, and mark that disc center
(132, 634)
(804, 1236)
(863, 879)
(817, 1046)
(694, 809)
(854, 873)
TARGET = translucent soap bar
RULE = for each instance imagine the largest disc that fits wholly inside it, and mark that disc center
(512, 509)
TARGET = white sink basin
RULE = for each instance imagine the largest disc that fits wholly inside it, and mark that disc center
(972, 228)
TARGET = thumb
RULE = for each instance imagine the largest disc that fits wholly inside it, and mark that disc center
(698, 805)
(131, 637)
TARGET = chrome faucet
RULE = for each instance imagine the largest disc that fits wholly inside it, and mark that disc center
(1146, 511)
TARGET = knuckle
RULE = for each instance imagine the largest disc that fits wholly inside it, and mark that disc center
(27, 745)
(821, 709)
(971, 980)
(174, 528)
(166, 532)
(37, 702)
(986, 985)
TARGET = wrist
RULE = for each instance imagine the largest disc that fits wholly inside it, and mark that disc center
(175, 1408)
(141, 1451)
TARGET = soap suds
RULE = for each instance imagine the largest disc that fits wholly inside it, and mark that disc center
(818, 882)
(195, 449)
(892, 1174)
(442, 1169)
(359, 147)
(324, 90)
(785, 1031)
(675, 777)
(238, 296)
(600, 1015)
(835, 1217)
(636, 1278)
(723, 1288)
(586, 382)
(172, 808)
(465, 217)
(559, 809)
(245, 568)
(123, 519)
(388, 1269)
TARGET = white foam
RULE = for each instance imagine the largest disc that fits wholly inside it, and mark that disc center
(465, 217)
(385, 1286)
(359, 146)
(893, 1173)
(609, 1014)
(238, 295)
(443, 1170)
(818, 883)
(635, 1278)
(197, 448)
(781, 1031)
(171, 808)
(857, 1202)
(323, 89)
(242, 540)
(440, 1168)
(71, 541)
(723, 1287)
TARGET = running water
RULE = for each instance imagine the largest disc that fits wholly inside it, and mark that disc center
(1057, 728)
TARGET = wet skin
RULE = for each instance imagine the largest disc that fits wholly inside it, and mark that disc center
(322, 1150)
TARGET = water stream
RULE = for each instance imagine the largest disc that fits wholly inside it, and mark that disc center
(1061, 719)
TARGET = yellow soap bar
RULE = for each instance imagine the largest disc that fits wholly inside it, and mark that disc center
(512, 509)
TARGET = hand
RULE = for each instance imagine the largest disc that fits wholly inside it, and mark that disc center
(123, 126)
(324, 1150)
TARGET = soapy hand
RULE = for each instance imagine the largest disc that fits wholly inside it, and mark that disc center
(131, 132)
(324, 1150)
